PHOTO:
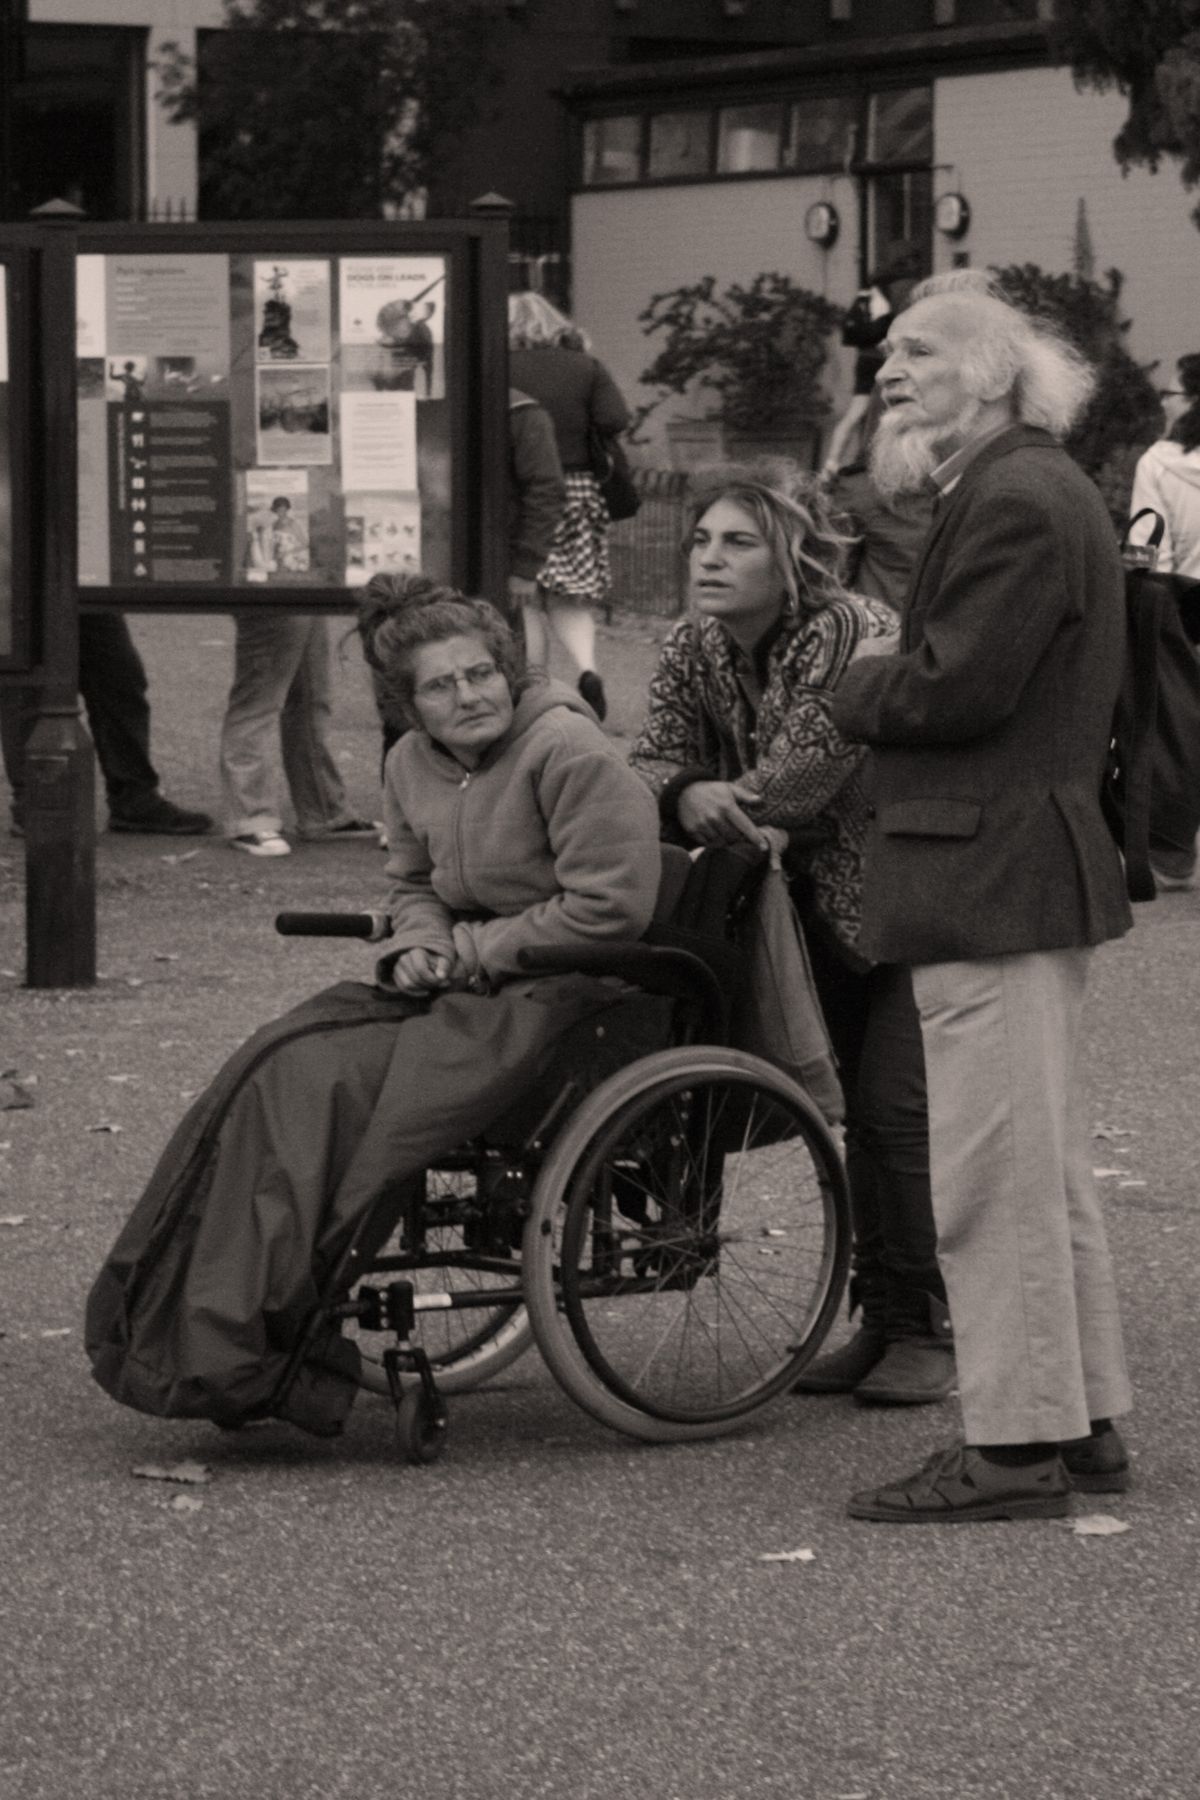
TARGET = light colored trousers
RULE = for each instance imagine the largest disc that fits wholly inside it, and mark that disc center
(281, 689)
(1021, 1237)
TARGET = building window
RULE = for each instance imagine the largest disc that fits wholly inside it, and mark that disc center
(749, 138)
(680, 144)
(821, 133)
(900, 126)
(612, 150)
(900, 220)
(78, 130)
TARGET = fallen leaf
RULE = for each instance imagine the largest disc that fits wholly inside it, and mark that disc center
(13, 1093)
(180, 857)
(1125, 1184)
(187, 1503)
(72, 1052)
(787, 1556)
(1107, 1174)
(105, 1126)
(134, 981)
(118, 1078)
(166, 956)
(1098, 1525)
(58, 1331)
(192, 1474)
(14, 1219)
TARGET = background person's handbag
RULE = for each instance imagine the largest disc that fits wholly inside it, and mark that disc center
(610, 466)
(776, 1014)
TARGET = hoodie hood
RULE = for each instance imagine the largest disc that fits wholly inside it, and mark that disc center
(540, 698)
(1174, 464)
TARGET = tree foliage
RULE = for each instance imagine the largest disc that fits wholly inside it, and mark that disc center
(760, 348)
(1125, 412)
(313, 109)
(1149, 51)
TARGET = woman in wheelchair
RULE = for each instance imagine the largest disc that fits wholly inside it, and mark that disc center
(514, 827)
(738, 736)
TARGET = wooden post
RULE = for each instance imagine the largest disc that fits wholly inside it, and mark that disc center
(60, 820)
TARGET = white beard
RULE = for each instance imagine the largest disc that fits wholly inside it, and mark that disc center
(904, 456)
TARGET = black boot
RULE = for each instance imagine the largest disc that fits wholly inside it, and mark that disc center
(917, 1368)
(840, 1371)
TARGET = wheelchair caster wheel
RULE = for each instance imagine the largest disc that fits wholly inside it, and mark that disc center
(419, 1431)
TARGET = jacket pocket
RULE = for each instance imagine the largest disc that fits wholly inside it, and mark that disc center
(930, 818)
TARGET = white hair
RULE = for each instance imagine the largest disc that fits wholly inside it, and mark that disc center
(1007, 352)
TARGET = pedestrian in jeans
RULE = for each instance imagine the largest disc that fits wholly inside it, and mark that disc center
(282, 684)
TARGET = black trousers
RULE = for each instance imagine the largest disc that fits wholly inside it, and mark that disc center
(112, 681)
(876, 1033)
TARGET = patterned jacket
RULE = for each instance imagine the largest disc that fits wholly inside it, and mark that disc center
(702, 727)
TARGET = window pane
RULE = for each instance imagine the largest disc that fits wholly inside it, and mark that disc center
(901, 126)
(679, 144)
(821, 133)
(611, 150)
(749, 138)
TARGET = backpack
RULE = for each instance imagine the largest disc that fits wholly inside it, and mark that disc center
(1151, 789)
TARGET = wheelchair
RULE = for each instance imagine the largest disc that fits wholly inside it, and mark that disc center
(665, 1217)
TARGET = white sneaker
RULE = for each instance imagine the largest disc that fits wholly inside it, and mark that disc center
(261, 843)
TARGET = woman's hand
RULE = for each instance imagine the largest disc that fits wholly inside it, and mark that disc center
(713, 813)
(419, 972)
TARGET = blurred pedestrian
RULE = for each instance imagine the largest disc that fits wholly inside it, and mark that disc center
(991, 871)
(549, 358)
(112, 682)
(1167, 478)
(282, 692)
(537, 493)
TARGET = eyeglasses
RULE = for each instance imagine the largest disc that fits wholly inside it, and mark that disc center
(445, 687)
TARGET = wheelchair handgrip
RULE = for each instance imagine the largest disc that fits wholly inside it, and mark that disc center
(374, 926)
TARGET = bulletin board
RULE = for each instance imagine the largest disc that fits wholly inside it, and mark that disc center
(271, 415)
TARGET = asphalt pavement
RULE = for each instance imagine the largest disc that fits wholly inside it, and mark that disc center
(551, 1612)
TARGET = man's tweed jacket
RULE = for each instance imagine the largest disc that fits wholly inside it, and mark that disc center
(990, 727)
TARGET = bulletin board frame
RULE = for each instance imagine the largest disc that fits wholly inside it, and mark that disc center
(475, 254)
(17, 459)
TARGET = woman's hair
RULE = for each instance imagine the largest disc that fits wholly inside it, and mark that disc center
(533, 324)
(1186, 429)
(399, 613)
(792, 511)
(1006, 351)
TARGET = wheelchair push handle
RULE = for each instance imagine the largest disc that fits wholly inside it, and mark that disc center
(373, 926)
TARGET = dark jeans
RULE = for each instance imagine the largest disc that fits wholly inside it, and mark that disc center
(112, 681)
(876, 1033)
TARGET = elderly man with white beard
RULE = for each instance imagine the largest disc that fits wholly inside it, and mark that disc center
(991, 872)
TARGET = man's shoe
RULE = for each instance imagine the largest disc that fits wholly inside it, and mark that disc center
(349, 828)
(911, 1372)
(960, 1485)
(841, 1370)
(592, 689)
(261, 843)
(1098, 1465)
(160, 817)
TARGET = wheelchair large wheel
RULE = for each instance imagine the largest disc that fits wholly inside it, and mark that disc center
(688, 1244)
(466, 1346)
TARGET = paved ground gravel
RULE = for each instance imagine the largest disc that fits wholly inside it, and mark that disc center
(551, 1613)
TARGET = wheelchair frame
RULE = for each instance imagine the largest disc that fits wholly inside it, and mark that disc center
(687, 1174)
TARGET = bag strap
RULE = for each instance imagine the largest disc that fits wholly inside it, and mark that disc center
(1145, 599)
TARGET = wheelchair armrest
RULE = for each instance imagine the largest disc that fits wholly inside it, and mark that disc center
(676, 974)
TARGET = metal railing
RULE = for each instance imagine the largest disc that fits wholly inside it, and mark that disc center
(647, 563)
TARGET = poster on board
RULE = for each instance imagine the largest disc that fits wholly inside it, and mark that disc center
(277, 524)
(292, 311)
(294, 414)
(383, 536)
(393, 324)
